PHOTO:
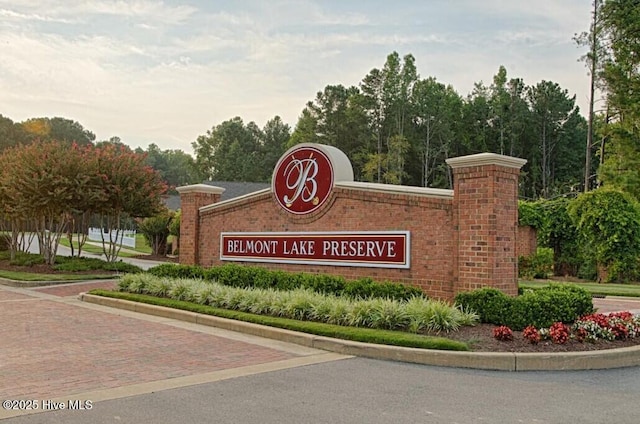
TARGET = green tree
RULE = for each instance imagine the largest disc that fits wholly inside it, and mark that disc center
(11, 133)
(437, 114)
(43, 181)
(387, 101)
(129, 188)
(275, 137)
(176, 167)
(551, 108)
(58, 129)
(229, 151)
(593, 60)
(621, 79)
(608, 222)
(336, 118)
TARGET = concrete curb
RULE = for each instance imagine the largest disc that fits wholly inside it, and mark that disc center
(507, 361)
(47, 283)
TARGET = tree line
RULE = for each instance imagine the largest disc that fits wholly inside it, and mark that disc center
(597, 234)
(397, 127)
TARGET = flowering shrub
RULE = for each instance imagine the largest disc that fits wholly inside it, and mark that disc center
(532, 334)
(503, 333)
(559, 333)
(613, 326)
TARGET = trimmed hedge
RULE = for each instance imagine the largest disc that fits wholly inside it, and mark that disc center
(540, 308)
(256, 277)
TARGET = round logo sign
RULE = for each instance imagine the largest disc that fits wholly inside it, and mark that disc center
(302, 180)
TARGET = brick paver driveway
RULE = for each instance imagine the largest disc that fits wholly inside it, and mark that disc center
(54, 346)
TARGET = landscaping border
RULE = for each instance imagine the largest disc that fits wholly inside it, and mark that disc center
(504, 361)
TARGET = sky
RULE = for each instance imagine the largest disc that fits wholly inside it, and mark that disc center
(165, 72)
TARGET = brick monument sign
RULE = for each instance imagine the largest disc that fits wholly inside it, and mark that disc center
(316, 219)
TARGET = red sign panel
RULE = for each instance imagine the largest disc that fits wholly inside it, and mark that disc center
(389, 249)
(302, 180)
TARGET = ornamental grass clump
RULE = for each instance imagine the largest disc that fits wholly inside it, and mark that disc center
(388, 314)
(416, 315)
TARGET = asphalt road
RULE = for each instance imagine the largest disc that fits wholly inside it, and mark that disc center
(368, 391)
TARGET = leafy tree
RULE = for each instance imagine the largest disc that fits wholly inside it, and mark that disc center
(129, 188)
(11, 133)
(594, 60)
(43, 181)
(58, 129)
(156, 230)
(336, 118)
(437, 113)
(621, 78)
(273, 143)
(560, 234)
(54, 183)
(609, 223)
(551, 108)
(229, 151)
(387, 99)
(175, 167)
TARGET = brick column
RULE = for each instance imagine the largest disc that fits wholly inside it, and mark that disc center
(485, 204)
(192, 198)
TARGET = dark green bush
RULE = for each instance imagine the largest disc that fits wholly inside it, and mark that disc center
(25, 259)
(247, 276)
(4, 242)
(178, 271)
(490, 304)
(539, 265)
(540, 308)
(75, 264)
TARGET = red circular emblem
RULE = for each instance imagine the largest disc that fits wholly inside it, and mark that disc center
(302, 180)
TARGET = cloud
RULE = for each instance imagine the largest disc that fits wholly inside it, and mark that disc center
(153, 71)
(10, 14)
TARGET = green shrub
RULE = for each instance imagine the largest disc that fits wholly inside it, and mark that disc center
(24, 259)
(491, 304)
(539, 265)
(540, 308)
(75, 264)
(4, 242)
(246, 276)
(178, 271)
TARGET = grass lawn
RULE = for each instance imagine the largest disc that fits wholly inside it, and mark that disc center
(141, 247)
(609, 289)
(29, 276)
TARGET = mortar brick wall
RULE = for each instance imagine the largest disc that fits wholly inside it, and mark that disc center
(459, 242)
(192, 198)
(527, 241)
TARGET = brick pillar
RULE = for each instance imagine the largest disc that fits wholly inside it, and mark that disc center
(485, 203)
(192, 198)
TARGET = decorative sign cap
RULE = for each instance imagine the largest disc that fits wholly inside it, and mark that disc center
(304, 176)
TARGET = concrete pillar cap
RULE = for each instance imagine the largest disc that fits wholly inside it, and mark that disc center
(482, 159)
(200, 188)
